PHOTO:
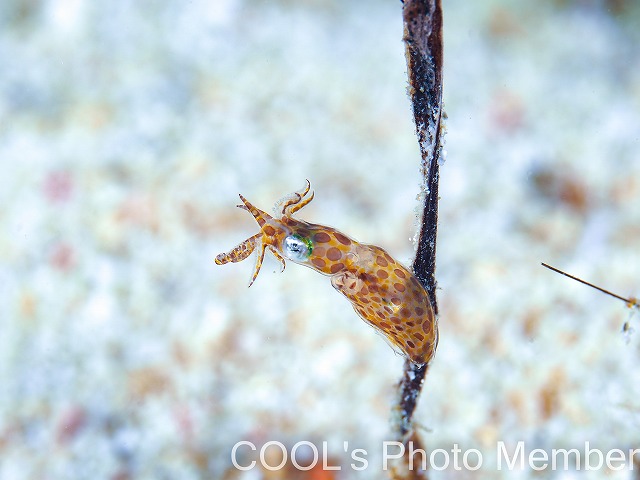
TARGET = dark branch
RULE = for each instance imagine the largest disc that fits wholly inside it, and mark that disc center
(423, 42)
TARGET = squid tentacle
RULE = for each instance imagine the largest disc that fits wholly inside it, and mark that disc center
(296, 200)
(240, 252)
(259, 258)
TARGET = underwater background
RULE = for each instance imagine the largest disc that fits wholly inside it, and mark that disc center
(128, 130)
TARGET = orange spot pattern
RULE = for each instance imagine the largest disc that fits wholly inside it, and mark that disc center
(382, 291)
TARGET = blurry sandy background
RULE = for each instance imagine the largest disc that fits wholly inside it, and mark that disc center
(127, 129)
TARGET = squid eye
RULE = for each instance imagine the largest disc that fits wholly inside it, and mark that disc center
(297, 248)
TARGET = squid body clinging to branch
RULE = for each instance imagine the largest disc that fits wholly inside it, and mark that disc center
(384, 293)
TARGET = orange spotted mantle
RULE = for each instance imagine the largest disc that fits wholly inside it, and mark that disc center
(384, 293)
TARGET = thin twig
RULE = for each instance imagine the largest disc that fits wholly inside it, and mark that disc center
(628, 301)
(423, 49)
(423, 41)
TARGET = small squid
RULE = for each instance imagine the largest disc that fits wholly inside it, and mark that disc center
(382, 291)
